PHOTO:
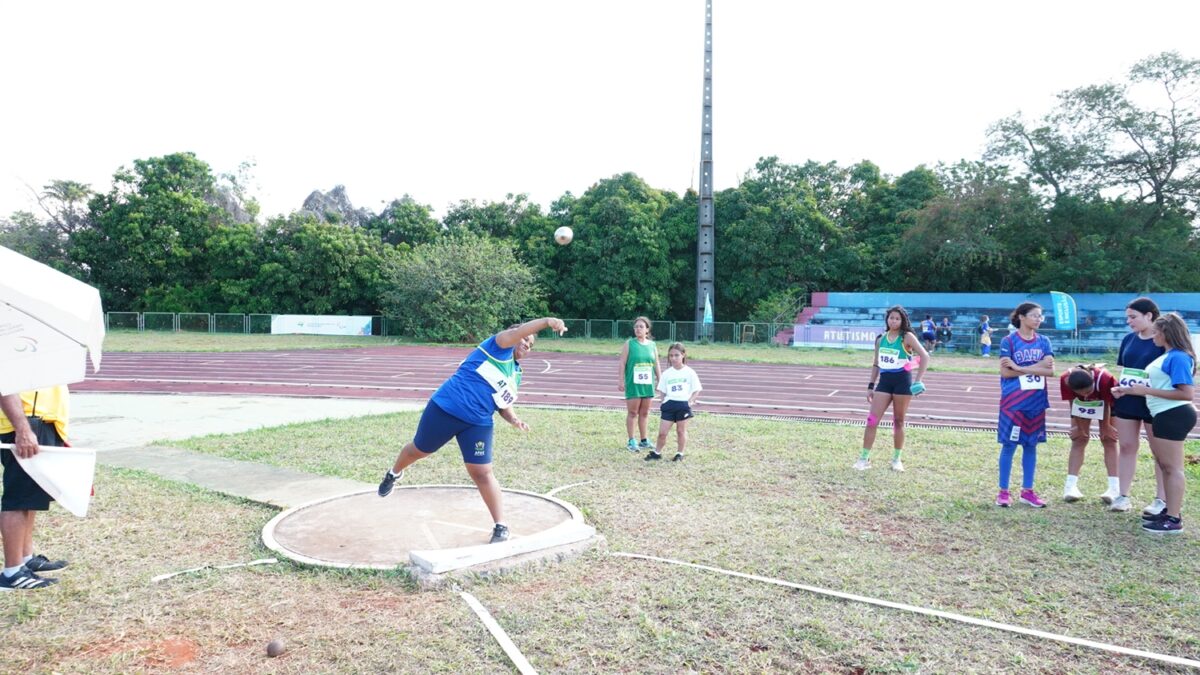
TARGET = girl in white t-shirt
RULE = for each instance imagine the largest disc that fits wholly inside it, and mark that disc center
(679, 386)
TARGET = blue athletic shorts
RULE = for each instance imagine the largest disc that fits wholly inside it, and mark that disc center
(437, 427)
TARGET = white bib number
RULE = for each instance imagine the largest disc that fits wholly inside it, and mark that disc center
(1029, 382)
(504, 389)
(1132, 376)
(643, 373)
(889, 359)
(1088, 410)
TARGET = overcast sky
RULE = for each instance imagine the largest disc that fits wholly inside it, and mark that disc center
(458, 99)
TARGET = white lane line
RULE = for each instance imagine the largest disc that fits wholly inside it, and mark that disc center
(433, 542)
(831, 393)
(506, 643)
(460, 526)
(962, 618)
(969, 389)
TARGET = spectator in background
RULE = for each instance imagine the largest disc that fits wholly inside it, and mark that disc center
(945, 334)
(985, 336)
(928, 333)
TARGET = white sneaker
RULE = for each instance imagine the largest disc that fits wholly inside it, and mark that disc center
(1155, 507)
(897, 466)
(1072, 494)
(862, 465)
(1110, 495)
(1121, 503)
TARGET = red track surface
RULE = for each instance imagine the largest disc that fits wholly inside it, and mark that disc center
(953, 399)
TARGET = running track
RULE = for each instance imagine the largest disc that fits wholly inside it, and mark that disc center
(785, 391)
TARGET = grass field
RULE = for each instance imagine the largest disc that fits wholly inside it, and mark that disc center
(131, 341)
(776, 499)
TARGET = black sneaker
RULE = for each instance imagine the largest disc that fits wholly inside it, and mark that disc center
(1166, 525)
(24, 580)
(40, 563)
(499, 534)
(652, 455)
(385, 485)
(1154, 517)
(678, 457)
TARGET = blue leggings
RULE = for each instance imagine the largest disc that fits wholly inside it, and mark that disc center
(1028, 464)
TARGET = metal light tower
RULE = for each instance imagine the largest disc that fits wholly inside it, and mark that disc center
(706, 230)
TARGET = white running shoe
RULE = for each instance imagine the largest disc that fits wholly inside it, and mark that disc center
(862, 465)
(1155, 507)
(897, 466)
(1072, 494)
(1121, 503)
(1110, 495)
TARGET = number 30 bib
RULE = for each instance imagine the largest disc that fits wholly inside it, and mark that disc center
(1032, 382)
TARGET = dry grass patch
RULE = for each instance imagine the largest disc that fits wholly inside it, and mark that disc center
(776, 499)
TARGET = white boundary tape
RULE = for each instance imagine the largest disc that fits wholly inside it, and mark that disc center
(961, 618)
(497, 632)
(260, 561)
(564, 487)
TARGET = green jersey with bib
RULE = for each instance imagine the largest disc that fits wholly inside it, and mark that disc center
(639, 369)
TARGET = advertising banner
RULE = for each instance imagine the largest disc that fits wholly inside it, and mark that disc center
(822, 335)
(308, 324)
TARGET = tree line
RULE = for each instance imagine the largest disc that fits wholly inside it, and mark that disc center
(1100, 194)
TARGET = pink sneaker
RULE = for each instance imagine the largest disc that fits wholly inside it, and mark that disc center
(1003, 499)
(1030, 497)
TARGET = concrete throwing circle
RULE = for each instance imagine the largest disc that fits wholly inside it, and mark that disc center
(437, 528)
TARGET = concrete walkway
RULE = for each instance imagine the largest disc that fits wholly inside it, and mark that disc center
(124, 427)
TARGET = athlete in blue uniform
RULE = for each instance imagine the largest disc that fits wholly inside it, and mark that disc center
(485, 382)
(1026, 364)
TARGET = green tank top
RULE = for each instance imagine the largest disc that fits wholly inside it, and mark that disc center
(639, 369)
(893, 357)
(897, 344)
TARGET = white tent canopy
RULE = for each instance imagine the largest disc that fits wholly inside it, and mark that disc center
(49, 322)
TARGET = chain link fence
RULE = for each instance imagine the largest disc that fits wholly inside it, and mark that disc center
(597, 329)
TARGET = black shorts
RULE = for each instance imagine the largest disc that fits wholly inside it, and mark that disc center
(675, 411)
(897, 384)
(1132, 408)
(1126, 416)
(22, 493)
(1174, 424)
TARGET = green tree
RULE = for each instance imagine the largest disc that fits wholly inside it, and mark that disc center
(149, 230)
(404, 221)
(619, 264)
(310, 266)
(771, 237)
(986, 232)
(1100, 245)
(26, 235)
(460, 288)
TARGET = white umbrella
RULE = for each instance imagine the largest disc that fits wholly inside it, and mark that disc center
(49, 322)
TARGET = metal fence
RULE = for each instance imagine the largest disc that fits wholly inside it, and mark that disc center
(600, 329)
(742, 332)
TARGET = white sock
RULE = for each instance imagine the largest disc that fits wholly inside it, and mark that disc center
(1071, 481)
(10, 571)
(394, 474)
(1114, 484)
(26, 559)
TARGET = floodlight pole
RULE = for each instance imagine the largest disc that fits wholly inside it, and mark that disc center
(706, 229)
